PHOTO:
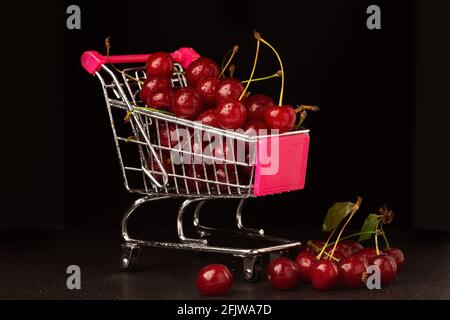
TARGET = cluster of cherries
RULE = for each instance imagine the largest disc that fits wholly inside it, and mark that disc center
(213, 100)
(347, 267)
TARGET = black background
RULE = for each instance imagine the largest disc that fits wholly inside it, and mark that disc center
(375, 89)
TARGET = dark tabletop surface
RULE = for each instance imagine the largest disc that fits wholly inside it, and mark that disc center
(33, 266)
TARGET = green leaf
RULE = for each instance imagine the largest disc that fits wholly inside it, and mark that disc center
(368, 227)
(336, 214)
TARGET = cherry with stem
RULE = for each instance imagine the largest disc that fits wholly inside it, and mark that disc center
(352, 213)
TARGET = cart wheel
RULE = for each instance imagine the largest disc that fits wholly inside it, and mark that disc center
(252, 268)
(129, 257)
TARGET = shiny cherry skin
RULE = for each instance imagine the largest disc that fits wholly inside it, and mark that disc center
(152, 84)
(256, 104)
(280, 118)
(231, 114)
(187, 103)
(168, 135)
(207, 88)
(214, 280)
(367, 254)
(166, 161)
(351, 271)
(253, 127)
(229, 88)
(324, 275)
(282, 274)
(159, 99)
(388, 267)
(305, 261)
(201, 68)
(160, 64)
(316, 246)
(222, 177)
(208, 117)
(222, 151)
(340, 252)
(354, 246)
(398, 256)
(199, 174)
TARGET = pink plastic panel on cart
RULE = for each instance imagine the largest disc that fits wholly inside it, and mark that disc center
(285, 172)
(92, 61)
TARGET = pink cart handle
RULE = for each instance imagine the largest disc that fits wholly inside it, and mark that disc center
(92, 61)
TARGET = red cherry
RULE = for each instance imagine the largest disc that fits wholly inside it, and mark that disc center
(280, 118)
(351, 271)
(152, 84)
(282, 274)
(398, 256)
(253, 126)
(160, 64)
(209, 117)
(168, 135)
(166, 161)
(187, 103)
(231, 114)
(256, 104)
(201, 68)
(367, 254)
(314, 246)
(222, 177)
(214, 280)
(220, 152)
(229, 88)
(388, 267)
(199, 174)
(354, 246)
(159, 99)
(207, 88)
(305, 261)
(324, 275)
(198, 148)
(340, 252)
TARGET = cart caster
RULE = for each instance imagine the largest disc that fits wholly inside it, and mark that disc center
(130, 256)
(252, 268)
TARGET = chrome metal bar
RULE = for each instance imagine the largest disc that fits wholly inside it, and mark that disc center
(141, 128)
(131, 209)
(180, 228)
(239, 220)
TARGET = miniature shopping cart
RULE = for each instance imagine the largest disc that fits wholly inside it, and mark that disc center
(143, 150)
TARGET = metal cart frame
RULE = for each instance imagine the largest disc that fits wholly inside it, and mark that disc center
(157, 181)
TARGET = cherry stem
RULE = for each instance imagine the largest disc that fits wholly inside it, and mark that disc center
(280, 102)
(258, 42)
(275, 75)
(319, 256)
(376, 237)
(233, 53)
(302, 107)
(108, 47)
(384, 236)
(354, 209)
(326, 253)
(231, 70)
(351, 236)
